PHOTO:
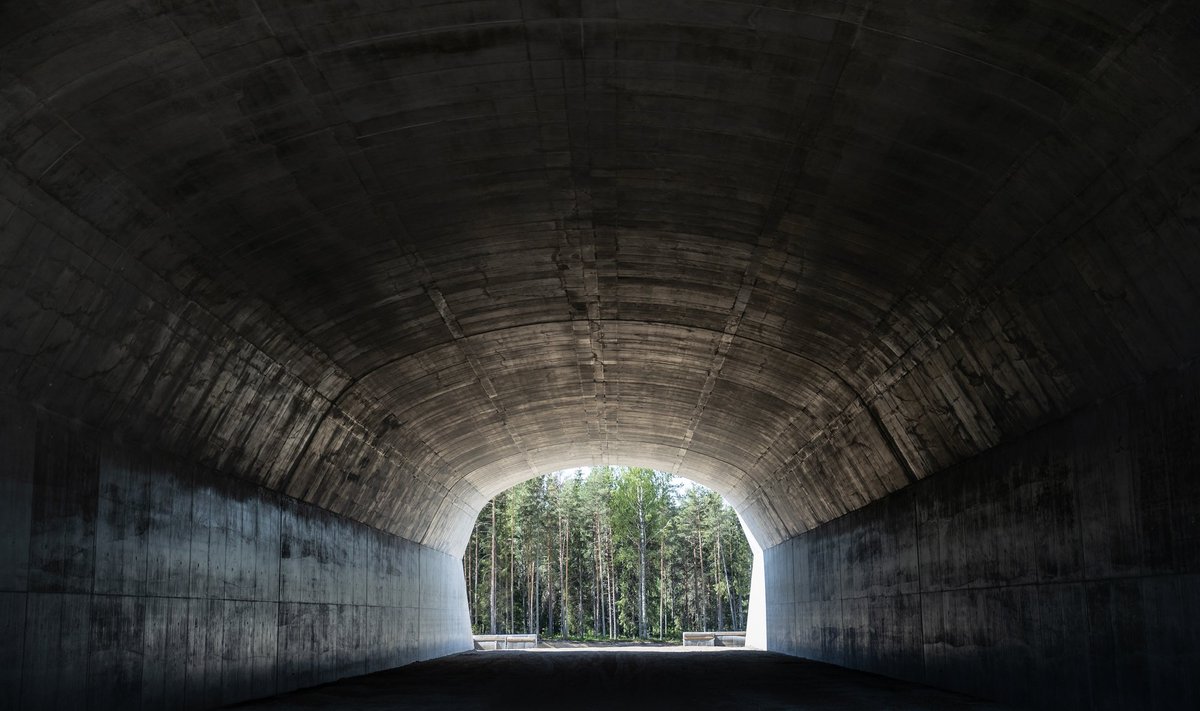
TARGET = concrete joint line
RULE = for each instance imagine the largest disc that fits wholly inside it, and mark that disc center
(489, 388)
(192, 305)
(404, 241)
(583, 224)
(814, 115)
(970, 308)
(724, 343)
(966, 311)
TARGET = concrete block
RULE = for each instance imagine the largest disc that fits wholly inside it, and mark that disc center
(781, 586)
(165, 653)
(17, 442)
(205, 642)
(1048, 515)
(122, 522)
(1181, 440)
(265, 648)
(12, 648)
(239, 574)
(1061, 672)
(1012, 627)
(352, 645)
(65, 493)
(115, 652)
(54, 669)
(298, 662)
(379, 646)
(408, 629)
(880, 550)
(237, 667)
(958, 640)
(169, 533)
(304, 554)
(1173, 683)
(267, 515)
(801, 573)
(188, 568)
(780, 625)
(825, 638)
(825, 556)
(1117, 644)
(207, 542)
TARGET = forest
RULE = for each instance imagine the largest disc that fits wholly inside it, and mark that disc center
(617, 553)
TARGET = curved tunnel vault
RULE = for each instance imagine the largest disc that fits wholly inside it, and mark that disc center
(388, 261)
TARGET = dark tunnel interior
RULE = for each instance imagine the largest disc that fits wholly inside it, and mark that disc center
(289, 290)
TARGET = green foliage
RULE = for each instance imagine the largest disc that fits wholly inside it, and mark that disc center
(618, 553)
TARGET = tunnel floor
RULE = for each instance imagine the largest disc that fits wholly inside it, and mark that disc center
(620, 678)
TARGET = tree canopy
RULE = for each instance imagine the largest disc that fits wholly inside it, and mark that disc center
(621, 552)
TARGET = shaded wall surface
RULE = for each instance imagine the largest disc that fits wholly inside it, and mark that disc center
(129, 580)
(1060, 571)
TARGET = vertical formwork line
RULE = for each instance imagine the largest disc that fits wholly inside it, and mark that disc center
(920, 589)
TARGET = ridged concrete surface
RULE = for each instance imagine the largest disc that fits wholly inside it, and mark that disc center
(131, 580)
(1059, 574)
(391, 259)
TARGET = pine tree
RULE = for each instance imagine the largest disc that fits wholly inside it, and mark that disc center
(574, 555)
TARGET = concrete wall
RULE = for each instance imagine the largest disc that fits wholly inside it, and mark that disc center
(131, 580)
(1060, 571)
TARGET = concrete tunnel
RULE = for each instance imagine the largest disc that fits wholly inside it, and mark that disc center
(289, 290)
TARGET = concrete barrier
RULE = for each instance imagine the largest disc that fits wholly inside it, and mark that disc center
(714, 639)
(506, 641)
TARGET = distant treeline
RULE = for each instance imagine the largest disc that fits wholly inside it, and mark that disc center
(618, 553)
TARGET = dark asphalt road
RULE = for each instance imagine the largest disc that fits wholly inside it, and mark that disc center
(620, 679)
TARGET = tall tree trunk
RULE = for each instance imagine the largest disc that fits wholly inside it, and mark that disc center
(549, 586)
(693, 605)
(607, 574)
(601, 604)
(641, 512)
(720, 605)
(612, 589)
(512, 579)
(702, 591)
(733, 616)
(492, 596)
(475, 585)
(597, 624)
(662, 587)
(672, 610)
(467, 580)
(564, 579)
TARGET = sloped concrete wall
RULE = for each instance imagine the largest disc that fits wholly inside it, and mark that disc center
(1059, 571)
(131, 580)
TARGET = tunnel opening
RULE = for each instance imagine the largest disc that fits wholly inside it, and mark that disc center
(609, 554)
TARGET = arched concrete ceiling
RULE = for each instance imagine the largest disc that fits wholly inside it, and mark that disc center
(393, 257)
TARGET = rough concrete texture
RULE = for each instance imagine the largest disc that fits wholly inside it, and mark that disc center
(1063, 572)
(390, 258)
(133, 581)
(623, 678)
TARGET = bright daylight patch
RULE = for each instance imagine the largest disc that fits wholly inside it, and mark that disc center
(608, 554)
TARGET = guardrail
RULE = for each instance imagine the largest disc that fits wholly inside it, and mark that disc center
(715, 639)
(506, 641)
